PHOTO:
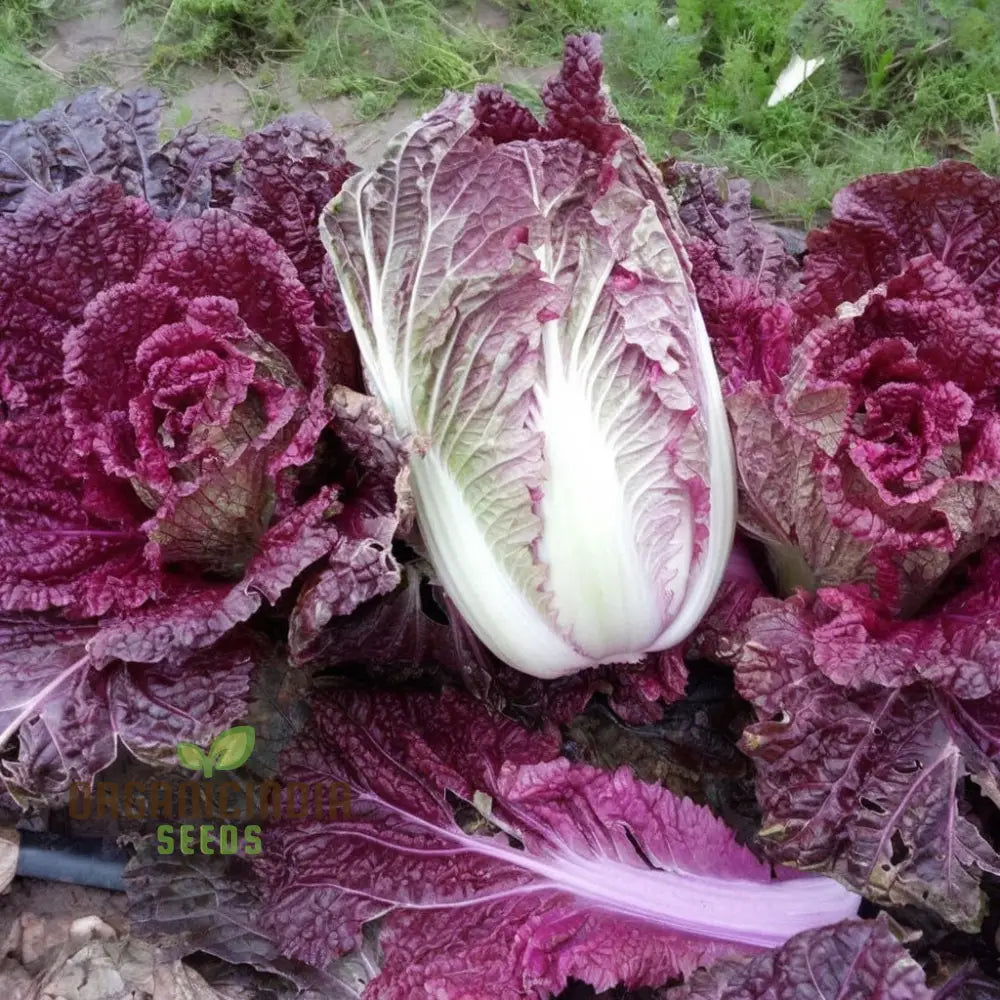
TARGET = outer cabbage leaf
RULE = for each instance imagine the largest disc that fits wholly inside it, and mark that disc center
(523, 311)
(852, 960)
(289, 172)
(500, 870)
(715, 210)
(753, 333)
(953, 644)
(71, 708)
(880, 223)
(867, 782)
(96, 134)
(742, 271)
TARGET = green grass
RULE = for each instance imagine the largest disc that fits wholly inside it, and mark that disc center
(375, 51)
(905, 81)
(25, 85)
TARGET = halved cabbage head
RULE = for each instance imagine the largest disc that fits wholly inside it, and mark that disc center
(524, 313)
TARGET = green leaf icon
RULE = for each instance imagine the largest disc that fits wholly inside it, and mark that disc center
(231, 748)
(192, 756)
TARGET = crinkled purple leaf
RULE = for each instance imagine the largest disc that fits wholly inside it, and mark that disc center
(277, 179)
(753, 334)
(610, 880)
(66, 541)
(577, 105)
(741, 272)
(100, 133)
(639, 693)
(554, 944)
(853, 960)
(782, 500)
(289, 172)
(866, 783)
(57, 526)
(954, 645)
(217, 254)
(502, 118)
(191, 172)
(880, 223)
(360, 565)
(70, 710)
(48, 276)
(715, 209)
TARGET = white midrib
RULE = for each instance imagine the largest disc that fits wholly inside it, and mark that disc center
(758, 914)
(602, 596)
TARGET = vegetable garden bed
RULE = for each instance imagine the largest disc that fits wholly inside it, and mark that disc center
(367, 559)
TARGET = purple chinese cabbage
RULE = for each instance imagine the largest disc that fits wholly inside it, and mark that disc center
(167, 426)
(524, 311)
(138, 462)
(864, 407)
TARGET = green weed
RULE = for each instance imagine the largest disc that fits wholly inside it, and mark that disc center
(26, 84)
(373, 50)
